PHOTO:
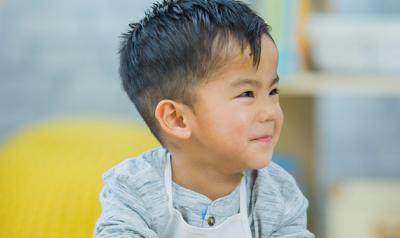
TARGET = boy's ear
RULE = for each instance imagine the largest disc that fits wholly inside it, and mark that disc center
(170, 116)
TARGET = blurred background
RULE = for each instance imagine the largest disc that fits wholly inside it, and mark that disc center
(340, 71)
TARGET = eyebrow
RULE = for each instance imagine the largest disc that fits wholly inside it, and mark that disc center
(252, 82)
(275, 80)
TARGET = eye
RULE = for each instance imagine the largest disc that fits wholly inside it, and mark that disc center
(274, 92)
(247, 94)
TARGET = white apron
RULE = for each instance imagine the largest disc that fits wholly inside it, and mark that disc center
(234, 226)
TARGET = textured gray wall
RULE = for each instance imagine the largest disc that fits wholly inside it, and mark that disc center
(60, 58)
(358, 137)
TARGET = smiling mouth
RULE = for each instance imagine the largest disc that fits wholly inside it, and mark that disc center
(264, 139)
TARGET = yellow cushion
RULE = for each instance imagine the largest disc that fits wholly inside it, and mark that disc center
(50, 175)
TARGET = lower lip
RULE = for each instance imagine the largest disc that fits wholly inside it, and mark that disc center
(267, 139)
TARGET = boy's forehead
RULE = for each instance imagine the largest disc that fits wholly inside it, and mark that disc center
(236, 60)
(231, 52)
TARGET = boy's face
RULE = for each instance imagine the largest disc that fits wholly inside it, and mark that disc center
(237, 119)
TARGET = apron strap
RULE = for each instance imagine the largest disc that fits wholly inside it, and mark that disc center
(243, 196)
(168, 181)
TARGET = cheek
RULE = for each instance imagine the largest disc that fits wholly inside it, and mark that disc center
(233, 130)
(279, 121)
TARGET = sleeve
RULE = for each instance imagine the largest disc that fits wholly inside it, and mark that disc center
(123, 213)
(294, 219)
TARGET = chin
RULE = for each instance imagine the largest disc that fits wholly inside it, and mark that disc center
(261, 163)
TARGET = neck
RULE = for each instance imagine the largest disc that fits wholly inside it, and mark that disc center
(206, 180)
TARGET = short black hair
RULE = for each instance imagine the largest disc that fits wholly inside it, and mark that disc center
(178, 44)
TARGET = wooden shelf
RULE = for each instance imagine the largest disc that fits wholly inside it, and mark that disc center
(316, 84)
(299, 94)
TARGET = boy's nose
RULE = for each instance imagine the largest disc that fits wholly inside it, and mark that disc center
(268, 110)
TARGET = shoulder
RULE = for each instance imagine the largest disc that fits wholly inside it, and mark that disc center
(139, 181)
(276, 193)
(279, 181)
(276, 173)
(134, 171)
(133, 198)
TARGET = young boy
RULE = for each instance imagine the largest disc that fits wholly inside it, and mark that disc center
(202, 73)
